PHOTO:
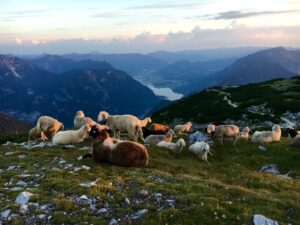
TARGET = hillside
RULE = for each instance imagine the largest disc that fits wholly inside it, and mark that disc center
(252, 103)
(27, 92)
(172, 189)
(10, 125)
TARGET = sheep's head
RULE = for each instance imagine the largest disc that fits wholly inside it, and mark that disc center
(276, 128)
(87, 128)
(181, 143)
(247, 130)
(211, 128)
(80, 114)
(170, 133)
(206, 147)
(98, 131)
(149, 120)
(102, 116)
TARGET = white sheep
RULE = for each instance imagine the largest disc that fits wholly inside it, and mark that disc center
(244, 135)
(224, 131)
(81, 120)
(174, 147)
(267, 136)
(47, 124)
(122, 123)
(145, 121)
(200, 149)
(184, 128)
(71, 136)
(152, 140)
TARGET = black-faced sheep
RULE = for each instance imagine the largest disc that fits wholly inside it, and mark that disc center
(159, 127)
(267, 136)
(71, 136)
(174, 147)
(152, 140)
(123, 123)
(81, 120)
(48, 124)
(122, 153)
(292, 132)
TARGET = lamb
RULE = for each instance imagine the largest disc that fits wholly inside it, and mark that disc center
(145, 121)
(224, 131)
(121, 123)
(152, 140)
(122, 153)
(244, 135)
(200, 149)
(267, 136)
(159, 127)
(183, 128)
(174, 147)
(48, 124)
(81, 120)
(292, 132)
(71, 136)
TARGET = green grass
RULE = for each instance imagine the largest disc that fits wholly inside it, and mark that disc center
(229, 191)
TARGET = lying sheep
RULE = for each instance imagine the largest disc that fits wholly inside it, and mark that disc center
(48, 124)
(152, 140)
(200, 149)
(122, 153)
(222, 132)
(81, 120)
(244, 135)
(71, 136)
(267, 136)
(292, 132)
(174, 147)
(145, 121)
(184, 128)
(123, 123)
(159, 127)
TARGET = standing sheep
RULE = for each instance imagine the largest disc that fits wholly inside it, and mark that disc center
(71, 136)
(152, 140)
(122, 153)
(183, 128)
(81, 120)
(123, 123)
(224, 131)
(174, 147)
(200, 149)
(267, 136)
(48, 124)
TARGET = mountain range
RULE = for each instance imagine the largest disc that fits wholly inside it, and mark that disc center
(27, 92)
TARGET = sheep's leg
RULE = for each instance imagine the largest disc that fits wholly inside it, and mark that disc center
(235, 140)
(44, 137)
(210, 152)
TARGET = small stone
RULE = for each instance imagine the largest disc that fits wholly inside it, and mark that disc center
(44, 207)
(113, 222)
(8, 153)
(24, 175)
(12, 167)
(23, 197)
(23, 156)
(143, 193)
(262, 220)
(62, 161)
(16, 189)
(80, 158)
(85, 167)
(89, 184)
(271, 168)
(23, 208)
(102, 210)
(76, 169)
(5, 214)
(127, 201)
(21, 183)
(139, 214)
(262, 148)
(41, 216)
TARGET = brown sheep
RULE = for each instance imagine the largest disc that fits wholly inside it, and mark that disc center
(159, 127)
(48, 124)
(122, 153)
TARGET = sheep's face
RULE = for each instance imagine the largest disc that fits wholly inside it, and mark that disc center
(181, 142)
(170, 132)
(247, 130)
(276, 128)
(87, 128)
(211, 128)
(80, 114)
(102, 116)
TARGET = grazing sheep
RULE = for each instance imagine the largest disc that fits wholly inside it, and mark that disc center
(267, 136)
(296, 141)
(244, 135)
(159, 127)
(122, 153)
(152, 140)
(34, 135)
(292, 132)
(147, 132)
(145, 121)
(200, 149)
(81, 120)
(48, 124)
(224, 131)
(183, 128)
(71, 136)
(121, 123)
(174, 147)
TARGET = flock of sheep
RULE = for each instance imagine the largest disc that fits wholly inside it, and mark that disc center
(131, 153)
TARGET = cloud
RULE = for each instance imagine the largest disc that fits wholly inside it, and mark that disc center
(167, 6)
(24, 13)
(109, 15)
(18, 41)
(234, 36)
(245, 14)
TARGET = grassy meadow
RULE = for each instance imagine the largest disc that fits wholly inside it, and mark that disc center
(180, 189)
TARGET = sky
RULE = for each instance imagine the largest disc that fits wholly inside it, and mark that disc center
(119, 26)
